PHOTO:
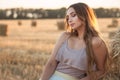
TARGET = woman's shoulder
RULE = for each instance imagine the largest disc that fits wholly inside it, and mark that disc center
(64, 34)
(97, 42)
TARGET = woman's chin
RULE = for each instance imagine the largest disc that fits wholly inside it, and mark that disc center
(73, 28)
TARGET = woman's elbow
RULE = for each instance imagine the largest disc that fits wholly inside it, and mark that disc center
(52, 63)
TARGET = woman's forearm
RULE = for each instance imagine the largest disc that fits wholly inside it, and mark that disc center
(98, 74)
(86, 78)
(48, 71)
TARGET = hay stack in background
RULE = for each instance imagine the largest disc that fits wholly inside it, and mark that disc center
(111, 34)
(113, 26)
(114, 23)
(19, 23)
(3, 29)
(60, 25)
(115, 52)
(33, 23)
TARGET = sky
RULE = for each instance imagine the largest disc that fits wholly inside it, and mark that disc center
(55, 4)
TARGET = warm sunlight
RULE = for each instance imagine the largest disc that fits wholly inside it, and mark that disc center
(56, 3)
(30, 32)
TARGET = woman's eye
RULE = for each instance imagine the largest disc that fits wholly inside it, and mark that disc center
(73, 15)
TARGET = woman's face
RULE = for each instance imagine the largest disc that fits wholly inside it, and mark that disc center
(72, 19)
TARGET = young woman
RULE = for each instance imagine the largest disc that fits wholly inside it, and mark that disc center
(80, 53)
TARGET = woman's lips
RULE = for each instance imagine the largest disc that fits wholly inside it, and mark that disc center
(72, 24)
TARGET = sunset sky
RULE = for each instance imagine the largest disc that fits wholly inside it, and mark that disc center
(54, 4)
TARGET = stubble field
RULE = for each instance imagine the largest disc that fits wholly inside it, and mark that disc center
(25, 49)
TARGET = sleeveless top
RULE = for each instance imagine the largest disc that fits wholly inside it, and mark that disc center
(71, 61)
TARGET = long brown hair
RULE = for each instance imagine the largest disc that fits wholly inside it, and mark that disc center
(86, 14)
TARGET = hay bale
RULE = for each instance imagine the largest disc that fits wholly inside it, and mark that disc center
(19, 23)
(33, 23)
(111, 34)
(115, 52)
(3, 29)
(114, 24)
(60, 25)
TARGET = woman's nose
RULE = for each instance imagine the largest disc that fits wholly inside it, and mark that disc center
(70, 20)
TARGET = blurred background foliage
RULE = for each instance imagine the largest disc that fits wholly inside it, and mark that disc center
(21, 13)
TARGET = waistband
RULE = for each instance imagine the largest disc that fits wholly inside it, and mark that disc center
(68, 77)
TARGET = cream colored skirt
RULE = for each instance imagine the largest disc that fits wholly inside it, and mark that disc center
(61, 76)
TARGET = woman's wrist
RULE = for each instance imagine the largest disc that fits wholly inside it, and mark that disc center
(85, 78)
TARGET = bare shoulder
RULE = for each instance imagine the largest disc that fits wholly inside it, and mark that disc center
(97, 42)
(64, 35)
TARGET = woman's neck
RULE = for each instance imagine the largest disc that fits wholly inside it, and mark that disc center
(81, 31)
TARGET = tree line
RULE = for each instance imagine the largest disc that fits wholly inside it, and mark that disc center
(20, 13)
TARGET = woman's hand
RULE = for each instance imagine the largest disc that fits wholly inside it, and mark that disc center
(85, 78)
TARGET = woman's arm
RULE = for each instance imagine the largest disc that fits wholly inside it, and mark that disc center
(100, 53)
(52, 63)
(49, 68)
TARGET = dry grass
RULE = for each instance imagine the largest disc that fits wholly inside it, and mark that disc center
(24, 52)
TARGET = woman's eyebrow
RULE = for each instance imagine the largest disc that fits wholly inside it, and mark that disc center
(71, 13)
